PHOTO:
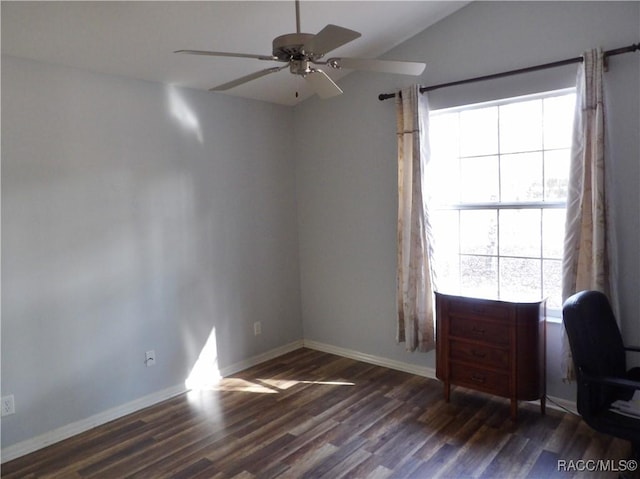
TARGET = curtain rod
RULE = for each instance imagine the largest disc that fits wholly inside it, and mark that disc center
(569, 61)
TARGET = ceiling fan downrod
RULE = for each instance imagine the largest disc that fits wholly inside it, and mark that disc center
(297, 16)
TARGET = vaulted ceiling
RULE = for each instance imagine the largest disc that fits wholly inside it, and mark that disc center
(137, 39)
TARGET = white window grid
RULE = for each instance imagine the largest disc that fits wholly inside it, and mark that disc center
(499, 206)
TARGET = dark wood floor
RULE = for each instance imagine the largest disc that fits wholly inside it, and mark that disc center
(312, 414)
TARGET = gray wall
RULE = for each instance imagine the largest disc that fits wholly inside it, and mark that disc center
(135, 217)
(347, 168)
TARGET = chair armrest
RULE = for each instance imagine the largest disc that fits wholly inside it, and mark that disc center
(611, 381)
(632, 348)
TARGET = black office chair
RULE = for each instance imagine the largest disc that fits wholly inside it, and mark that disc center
(599, 356)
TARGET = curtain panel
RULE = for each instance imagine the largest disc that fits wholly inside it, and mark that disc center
(585, 262)
(415, 323)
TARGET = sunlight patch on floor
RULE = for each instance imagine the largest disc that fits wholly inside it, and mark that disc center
(284, 384)
(266, 386)
(242, 385)
(205, 376)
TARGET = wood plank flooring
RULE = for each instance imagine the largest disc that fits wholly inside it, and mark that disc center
(309, 414)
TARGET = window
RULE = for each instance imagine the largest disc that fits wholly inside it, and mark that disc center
(497, 186)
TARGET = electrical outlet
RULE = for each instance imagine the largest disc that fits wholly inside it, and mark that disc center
(8, 405)
(257, 328)
(150, 358)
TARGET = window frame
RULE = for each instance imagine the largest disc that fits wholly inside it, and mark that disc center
(554, 314)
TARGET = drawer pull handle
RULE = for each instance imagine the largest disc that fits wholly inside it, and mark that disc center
(478, 330)
(478, 354)
(478, 378)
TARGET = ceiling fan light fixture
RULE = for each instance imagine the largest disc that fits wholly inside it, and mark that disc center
(300, 67)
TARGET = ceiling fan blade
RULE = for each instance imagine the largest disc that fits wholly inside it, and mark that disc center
(227, 54)
(246, 78)
(322, 84)
(383, 66)
(330, 38)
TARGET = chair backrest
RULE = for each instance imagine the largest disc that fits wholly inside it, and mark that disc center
(596, 346)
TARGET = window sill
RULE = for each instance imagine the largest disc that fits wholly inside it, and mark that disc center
(554, 319)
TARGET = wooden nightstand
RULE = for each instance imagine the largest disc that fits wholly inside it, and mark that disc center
(493, 346)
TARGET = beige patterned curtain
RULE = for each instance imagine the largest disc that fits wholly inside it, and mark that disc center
(414, 285)
(585, 262)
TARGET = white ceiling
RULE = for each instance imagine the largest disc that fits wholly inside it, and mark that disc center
(136, 39)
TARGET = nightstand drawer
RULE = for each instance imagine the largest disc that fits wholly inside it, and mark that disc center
(486, 331)
(494, 346)
(480, 379)
(479, 354)
(478, 309)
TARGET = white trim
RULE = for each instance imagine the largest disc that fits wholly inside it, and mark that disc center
(506, 101)
(30, 445)
(563, 405)
(552, 401)
(371, 359)
(260, 358)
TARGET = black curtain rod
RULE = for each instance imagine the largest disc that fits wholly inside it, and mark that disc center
(569, 61)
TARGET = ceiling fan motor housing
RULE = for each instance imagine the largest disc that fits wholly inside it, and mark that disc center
(292, 47)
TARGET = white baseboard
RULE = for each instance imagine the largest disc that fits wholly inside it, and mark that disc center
(563, 405)
(30, 445)
(371, 359)
(552, 402)
(260, 358)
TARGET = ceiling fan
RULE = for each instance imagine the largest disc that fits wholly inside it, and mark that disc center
(301, 52)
